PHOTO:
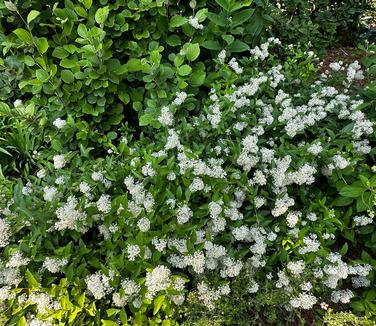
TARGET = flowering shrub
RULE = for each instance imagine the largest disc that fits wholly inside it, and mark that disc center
(251, 196)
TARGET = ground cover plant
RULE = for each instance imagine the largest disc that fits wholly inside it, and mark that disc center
(168, 163)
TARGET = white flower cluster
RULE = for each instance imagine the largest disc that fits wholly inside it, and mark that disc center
(157, 280)
(54, 265)
(209, 295)
(166, 118)
(362, 220)
(68, 216)
(193, 21)
(59, 161)
(5, 232)
(98, 285)
(59, 123)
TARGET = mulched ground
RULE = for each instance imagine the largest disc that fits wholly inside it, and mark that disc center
(345, 54)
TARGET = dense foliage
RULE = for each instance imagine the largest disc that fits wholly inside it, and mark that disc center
(167, 162)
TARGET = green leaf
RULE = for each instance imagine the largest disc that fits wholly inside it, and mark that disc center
(241, 17)
(32, 15)
(158, 301)
(178, 21)
(108, 323)
(31, 280)
(82, 31)
(68, 63)
(23, 35)
(112, 311)
(67, 76)
(357, 306)
(211, 45)
(101, 15)
(60, 53)
(344, 249)
(42, 45)
(88, 3)
(193, 51)
(225, 4)
(184, 70)
(219, 20)
(342, 201)
(351, 191)
(228, 38)
(42, 75)
(123, 317)
(22, 321)
(173, 40)
(146, 119)
(237, 46)
(10, 6)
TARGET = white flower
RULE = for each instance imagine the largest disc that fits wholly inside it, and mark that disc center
(17, 260)
(166, 118)
(304, 301)
(296, 267)
(157, 280)
(235, 66)
(59, 161)
(18, 103)
(193, 21)
(184, 214)
(104, 204)
(143, 224)
(49, 193)
(41, 173)
(98, 285)
(180, 98)
(85, 188)
(59, 123)
(133, 251)
(222, 56)
(54, 265)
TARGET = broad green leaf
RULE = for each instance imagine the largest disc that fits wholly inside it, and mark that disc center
(123, 317)
(237, 46)
(60, 53)
(88, 3)
(158, 301)
(173, 40)
(23, 35)
(228, 38)
(225, 4)
(241, 17)
(344, 249)
(184, 70)
(357, 306)
(67, 76)
(351, 191)
(22, 321)
(42, 45)
(101, 15)
(219, 20)
(112, 311)
(211, 45)
(146, 119)
(108, 323)
(68, 63)
(42, 75)
(10, 6)
(32, 15)
(177, 21)
(193, 51)
(134, 65)
(82, 31)
(31, 280)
